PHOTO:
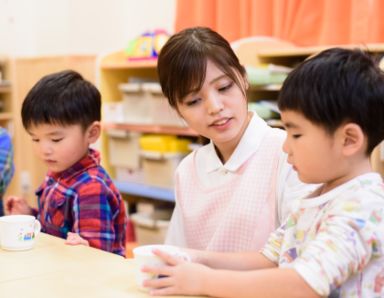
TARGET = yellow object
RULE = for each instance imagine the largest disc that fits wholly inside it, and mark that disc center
(164, 144)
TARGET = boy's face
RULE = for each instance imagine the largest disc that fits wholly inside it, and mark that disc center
(59, 147)
(313, 153)
(218, 110)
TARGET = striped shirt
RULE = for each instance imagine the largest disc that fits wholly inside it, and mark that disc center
(84, 200)
(6, 163)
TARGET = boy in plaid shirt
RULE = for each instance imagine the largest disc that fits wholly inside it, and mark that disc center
(77, 200)
(6, 163)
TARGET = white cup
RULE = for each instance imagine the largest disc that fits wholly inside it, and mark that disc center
(143, 256)
(18, 232)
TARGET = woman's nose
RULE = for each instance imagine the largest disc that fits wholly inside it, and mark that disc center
(214, 105)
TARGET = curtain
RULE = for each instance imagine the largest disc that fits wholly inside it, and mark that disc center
(302, 22)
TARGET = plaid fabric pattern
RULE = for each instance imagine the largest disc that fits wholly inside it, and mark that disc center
(6, 163)
(84, 200)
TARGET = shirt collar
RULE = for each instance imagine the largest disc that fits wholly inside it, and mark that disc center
(92, 159)
(249, 143)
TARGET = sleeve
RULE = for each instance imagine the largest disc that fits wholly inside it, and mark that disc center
(289, 189)
(6, 161)
(175, 233)
(96, 211)
(273, 246)
(349, 237)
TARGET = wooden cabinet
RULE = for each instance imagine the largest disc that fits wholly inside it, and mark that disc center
(6, 95)
(7, 109)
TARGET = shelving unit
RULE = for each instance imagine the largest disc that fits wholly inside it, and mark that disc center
(143, 190)
(293, 55)
(114, 70)
(6, 95)
(170, 130)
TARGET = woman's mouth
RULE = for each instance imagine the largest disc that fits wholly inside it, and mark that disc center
(220, 122)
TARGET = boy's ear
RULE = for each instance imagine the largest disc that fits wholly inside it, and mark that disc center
(354, 139)
(94, 131)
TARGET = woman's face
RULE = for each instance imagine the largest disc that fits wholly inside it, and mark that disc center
(218, 111)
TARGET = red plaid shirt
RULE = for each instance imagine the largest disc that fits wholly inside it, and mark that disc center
(84, 200)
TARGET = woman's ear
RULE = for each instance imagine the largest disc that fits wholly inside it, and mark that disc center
(93, 132)
(354, 139)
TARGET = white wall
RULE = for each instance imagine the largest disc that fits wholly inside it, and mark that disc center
(49, 27)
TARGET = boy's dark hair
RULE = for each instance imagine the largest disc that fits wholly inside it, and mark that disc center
(183, 59)
(63, 98)
(338, 86)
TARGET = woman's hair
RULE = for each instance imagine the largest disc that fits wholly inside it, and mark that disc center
(182, 62)
(63, 98)
(338, 86)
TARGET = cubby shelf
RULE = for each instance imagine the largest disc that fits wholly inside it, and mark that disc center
(5, 88)
(144, 190)
(118, 60)
(157, 129)
(5, 116)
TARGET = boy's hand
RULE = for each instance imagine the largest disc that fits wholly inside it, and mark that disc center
(17, 205)
(75, 239)
(179, 277)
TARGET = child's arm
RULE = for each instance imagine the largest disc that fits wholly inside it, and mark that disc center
(196, 279)
(17, 205)
(231, 261)
(100, 217)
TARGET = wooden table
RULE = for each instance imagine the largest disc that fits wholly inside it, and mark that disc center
(54, 269)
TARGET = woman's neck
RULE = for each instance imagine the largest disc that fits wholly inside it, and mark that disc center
(225, 150)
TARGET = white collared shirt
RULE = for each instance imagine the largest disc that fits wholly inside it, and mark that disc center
(211, 172)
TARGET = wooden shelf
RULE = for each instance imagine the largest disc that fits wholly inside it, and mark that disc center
(5, 88)
(156, 129)
(307, 51)
(5, 116)
(144, 190)
(120, 61)
(270, 87)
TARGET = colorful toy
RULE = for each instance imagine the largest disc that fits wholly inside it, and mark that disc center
(147, 45)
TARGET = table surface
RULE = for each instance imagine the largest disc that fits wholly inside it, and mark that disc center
(54, 269)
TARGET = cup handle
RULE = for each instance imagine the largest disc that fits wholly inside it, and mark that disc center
(37, 228)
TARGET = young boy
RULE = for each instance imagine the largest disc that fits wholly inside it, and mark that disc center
(77, 200)
(332, 244)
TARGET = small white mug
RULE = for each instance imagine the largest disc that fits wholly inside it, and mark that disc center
(143, 256)
(18, 232)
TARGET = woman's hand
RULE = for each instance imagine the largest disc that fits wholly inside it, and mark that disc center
(75, 239)
(178, 276)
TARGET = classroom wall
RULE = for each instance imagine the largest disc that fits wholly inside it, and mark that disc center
(56, 27)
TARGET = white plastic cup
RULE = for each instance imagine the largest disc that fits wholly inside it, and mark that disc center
(18, 232)
(143, 256)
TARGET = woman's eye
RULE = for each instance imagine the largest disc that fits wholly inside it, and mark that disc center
(296, 136)
(35, 140)
(56, 140)
(226, 87)
(192, 102)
